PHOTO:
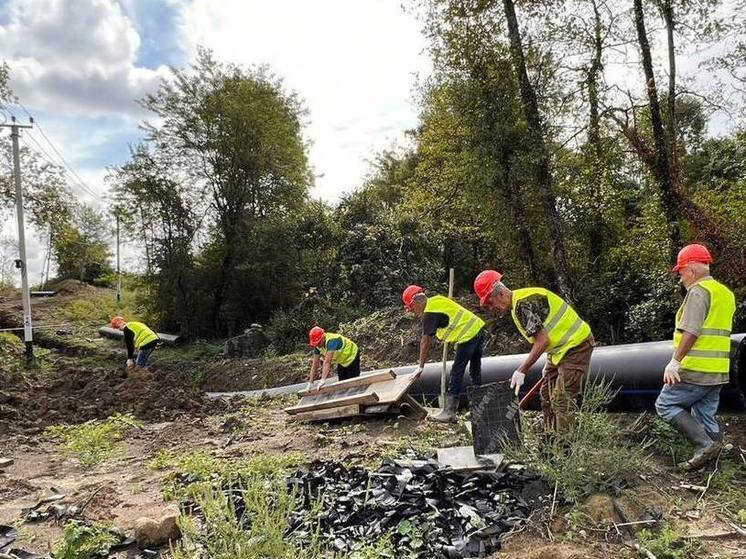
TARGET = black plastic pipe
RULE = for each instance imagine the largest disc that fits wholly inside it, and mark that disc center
(634, 370)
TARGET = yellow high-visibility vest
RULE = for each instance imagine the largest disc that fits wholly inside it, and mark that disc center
(564, 327)
(143, 334)
(463, 324)
(711, 352)
(344, 356)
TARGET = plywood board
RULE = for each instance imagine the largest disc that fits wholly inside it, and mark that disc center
(362, 380)
(327, 414)
(393, 391)
(363, 399)
(416, 410)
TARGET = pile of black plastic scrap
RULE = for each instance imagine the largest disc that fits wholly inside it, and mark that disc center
(462, 515)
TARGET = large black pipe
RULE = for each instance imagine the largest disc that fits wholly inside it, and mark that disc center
(634, 370)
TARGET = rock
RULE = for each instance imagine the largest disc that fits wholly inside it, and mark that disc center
(600, 508)
(154, 533)
(251, 343)
(5, 462)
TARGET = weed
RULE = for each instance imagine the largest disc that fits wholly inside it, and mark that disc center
(85, 542)
(727, 488)
(669, 441)
(94, 441)
(204, 469)
(592, 458)
(668, 544)
(98, 308)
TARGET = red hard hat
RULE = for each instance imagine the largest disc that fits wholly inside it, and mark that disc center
(316, 336)
(484, 283)
(692, 253)
(408, 294)
(117, 321)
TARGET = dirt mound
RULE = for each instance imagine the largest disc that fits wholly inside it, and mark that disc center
(75, 394)
(71, 287)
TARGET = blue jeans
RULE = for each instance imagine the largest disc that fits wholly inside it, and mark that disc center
(143, 354)
(701, 400)
(467, 352)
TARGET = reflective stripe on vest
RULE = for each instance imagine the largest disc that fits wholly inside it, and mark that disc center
(711, 351)
(143, 334)
(463, 324)
(564, 327)
(344, 356)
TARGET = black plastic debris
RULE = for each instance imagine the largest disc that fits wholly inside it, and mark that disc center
(21, 554)
(462, 515)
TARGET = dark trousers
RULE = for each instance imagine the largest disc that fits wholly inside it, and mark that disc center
(467, 352)
(350, 371)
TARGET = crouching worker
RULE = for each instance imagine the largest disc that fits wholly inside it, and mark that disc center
(700, 364)
(449, 322)
(334, 349)
(137, 337)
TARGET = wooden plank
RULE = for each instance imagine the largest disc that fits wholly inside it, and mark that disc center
(357, 381)
(394, 390)
(363, 399)
(327, 414)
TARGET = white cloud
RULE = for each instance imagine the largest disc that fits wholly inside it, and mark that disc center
(78, 57)
(354, 64)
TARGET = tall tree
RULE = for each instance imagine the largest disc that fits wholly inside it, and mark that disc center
(541, 151)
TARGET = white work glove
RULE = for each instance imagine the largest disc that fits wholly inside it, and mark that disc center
(309, 387)
(418, 371)
(321, 383)
(671, 372)
(516, 381)
(130, 362)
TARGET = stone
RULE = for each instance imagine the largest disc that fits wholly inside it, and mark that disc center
(154, 533)
(5, 462)
(251, 343)
(600, 508)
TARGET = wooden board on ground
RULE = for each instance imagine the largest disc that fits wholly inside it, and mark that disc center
(387, 391)
(362, 380)
(462, 458)
(327, 414)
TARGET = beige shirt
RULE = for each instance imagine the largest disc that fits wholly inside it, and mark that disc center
(696, 305)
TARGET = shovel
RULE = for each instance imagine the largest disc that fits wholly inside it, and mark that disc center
(515, 405)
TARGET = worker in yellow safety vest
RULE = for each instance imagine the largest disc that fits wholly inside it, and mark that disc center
(334, 349)
(137, 337)
(700, 364)
(549, 324)
(449, 322)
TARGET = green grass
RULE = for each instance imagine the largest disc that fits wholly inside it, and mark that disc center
(99, 308)
(596, 455)
(85, 542)
(209, 470)
(93, 442)
(669, 442)
(668, 544)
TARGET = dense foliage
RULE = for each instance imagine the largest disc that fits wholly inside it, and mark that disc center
(530, 157)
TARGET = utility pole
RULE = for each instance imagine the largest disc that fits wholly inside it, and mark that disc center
(119, 273)
(21, 262)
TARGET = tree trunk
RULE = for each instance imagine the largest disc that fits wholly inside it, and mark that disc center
(668, 17)
(662, 168)
(543, 171)
(596, 232)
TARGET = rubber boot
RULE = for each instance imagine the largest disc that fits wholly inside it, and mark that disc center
(448, 413)
(705, 448)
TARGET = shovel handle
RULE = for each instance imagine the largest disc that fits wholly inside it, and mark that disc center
(534, 389)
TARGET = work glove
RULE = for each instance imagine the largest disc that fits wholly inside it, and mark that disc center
(418, 371)
(516, 381)
(309, 387)
(671, 372)
(321, 383)
(130, 362)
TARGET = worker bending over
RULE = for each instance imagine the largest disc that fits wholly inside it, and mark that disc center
(549, 324)
(335, 349)
(700, 364)
(137, 337)
(451, 323)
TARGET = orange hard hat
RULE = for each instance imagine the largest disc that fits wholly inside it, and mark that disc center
(117, 321)
(408, 294)
(316, 336)
(692, 253)
(484, 283)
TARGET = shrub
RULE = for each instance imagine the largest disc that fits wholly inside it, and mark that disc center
(85, 542)
(94, 441)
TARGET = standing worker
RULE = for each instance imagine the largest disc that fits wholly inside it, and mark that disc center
(335, 349)
(451, 323)
(137, 336)
(700, 364)
(549, 324)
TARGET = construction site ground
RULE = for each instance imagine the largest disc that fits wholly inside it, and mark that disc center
(79, 377)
